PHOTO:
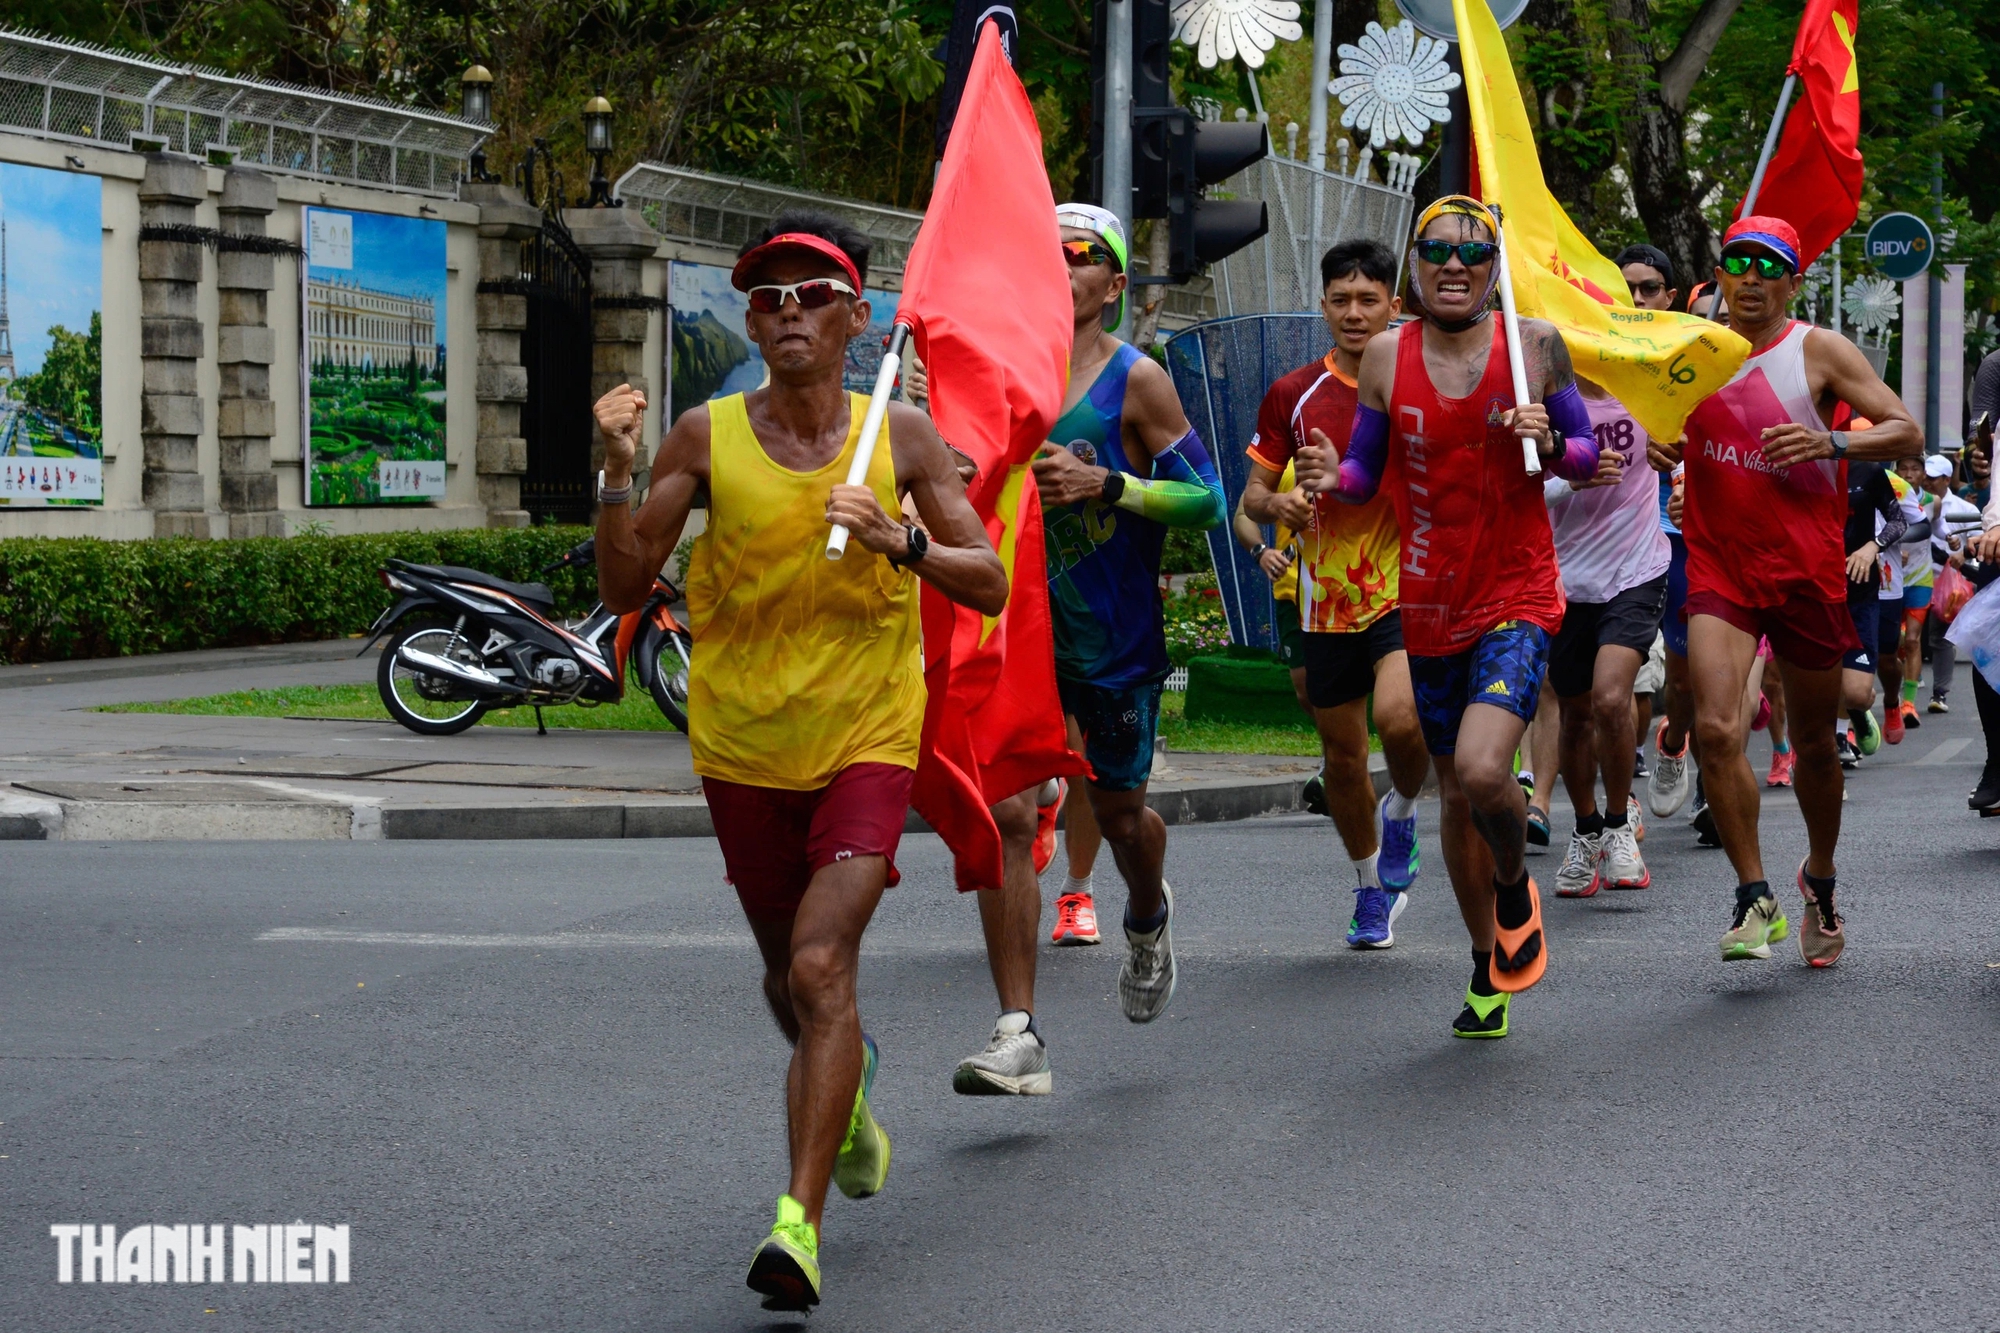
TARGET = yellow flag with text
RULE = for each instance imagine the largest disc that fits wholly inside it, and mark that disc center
(1657, 363)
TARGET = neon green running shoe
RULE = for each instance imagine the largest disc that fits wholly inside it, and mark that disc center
(785, 1269)
(1868, 737)
(1484, 1016)
(1759, 925)
(863, 1163)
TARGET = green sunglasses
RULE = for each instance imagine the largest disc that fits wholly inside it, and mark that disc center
(1767, 266)
(1470, 253)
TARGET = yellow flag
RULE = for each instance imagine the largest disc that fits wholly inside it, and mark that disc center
(1657, 363)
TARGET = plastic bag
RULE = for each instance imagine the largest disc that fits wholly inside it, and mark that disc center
(1977, 630)
(1951, 592)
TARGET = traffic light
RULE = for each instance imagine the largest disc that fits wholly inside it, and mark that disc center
(1175, 156)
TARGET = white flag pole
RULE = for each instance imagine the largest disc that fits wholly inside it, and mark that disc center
(871, 427)
(1530, 455)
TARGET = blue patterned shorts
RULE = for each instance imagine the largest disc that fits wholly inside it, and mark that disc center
(1503, 669)
(1118, 729)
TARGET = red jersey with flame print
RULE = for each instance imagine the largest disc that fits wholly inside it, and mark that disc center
(1349, 555)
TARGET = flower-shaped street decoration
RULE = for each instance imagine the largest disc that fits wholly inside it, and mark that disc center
(1232, 29)
(1871, 304)
(1394, 84)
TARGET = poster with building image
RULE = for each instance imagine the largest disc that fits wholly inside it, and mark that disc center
(709, 356)
(51, 338)
(374, 358)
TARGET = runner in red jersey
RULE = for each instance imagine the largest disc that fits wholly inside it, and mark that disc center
(1479, 589)
(1765, 507)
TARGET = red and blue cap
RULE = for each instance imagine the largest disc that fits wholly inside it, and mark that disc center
(1774, 234)
(793, 242)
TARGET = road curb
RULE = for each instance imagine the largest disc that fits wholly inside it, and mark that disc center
(30, 818)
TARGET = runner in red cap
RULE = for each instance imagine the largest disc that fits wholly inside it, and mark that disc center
(1765, 506)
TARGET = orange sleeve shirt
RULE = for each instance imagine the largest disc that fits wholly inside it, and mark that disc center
(1348, 554)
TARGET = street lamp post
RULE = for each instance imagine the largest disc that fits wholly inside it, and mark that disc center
(597, 142)
(475, 103)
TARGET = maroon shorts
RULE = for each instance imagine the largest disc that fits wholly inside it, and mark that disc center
(1810, 634)
(775, 840)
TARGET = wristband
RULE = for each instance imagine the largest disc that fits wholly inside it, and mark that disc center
(1114, 487)
(615, 495)
(1257, 552)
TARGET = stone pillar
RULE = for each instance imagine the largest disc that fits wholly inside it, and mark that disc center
(505, 220)
(170, 417)
(246, 420)
(618, 243)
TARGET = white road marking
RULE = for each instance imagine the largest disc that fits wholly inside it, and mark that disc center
(1945, 751)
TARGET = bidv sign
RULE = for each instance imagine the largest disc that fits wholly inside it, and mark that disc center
(1900, 245)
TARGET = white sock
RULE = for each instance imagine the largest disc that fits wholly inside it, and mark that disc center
(1364, 872)
(1400, 806)
(1072, 885)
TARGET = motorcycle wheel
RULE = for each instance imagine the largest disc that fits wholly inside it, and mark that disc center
(425, 704)
(672, 653)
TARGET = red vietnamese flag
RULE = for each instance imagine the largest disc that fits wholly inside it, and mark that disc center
(987, 297)
(1814, 180)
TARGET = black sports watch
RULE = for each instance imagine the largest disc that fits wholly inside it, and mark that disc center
(1114, 486)
(920, 542)
(1839, 439)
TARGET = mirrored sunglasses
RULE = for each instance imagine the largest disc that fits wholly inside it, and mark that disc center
(769, 299)
(1767, 266)
(1085, 254)
(1470, 253)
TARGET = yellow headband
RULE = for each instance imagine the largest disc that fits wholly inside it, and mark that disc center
(1463, 205)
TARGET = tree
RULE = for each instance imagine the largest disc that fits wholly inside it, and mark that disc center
(70, 384)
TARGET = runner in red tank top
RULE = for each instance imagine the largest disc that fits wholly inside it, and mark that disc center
(1480, 593)
(1766, 502)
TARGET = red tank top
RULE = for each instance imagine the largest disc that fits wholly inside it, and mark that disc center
(1476, 545)
(1757, 535)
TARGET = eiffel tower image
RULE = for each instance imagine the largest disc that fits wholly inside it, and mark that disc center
(6, 336)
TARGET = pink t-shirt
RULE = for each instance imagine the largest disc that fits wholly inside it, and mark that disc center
(1608, 538)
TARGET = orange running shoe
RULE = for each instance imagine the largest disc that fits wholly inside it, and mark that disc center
(1045, 827)
(1076, 920)
(1910, 718)
(1521, 955)
(1782, 763)
(1892, 725)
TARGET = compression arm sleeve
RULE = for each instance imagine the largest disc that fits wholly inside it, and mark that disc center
(1367, 453)
(1577, 460)
(1184, 490)
(1894, 523)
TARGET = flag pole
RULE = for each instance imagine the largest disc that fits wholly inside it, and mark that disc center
(1763, 164)
(871, 427)
(1511, 321)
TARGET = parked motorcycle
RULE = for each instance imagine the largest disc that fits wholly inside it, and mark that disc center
(463, 643)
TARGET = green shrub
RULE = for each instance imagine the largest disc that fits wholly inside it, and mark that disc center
(79, 597)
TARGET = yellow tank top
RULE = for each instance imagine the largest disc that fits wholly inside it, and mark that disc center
(1286, 589)
(803, 666)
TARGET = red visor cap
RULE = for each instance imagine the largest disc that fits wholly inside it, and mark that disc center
(739, 277)
(1774, 234)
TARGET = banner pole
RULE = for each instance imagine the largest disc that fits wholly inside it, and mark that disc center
(1511, 322)
(871, 427)
(1763, 164)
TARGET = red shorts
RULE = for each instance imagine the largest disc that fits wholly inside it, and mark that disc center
(1810, 634)
(775, 840)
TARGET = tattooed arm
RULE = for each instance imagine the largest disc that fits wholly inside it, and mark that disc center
(1557, 420)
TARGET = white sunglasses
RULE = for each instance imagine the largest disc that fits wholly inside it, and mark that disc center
(811, 294)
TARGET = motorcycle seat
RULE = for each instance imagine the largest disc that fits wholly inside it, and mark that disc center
(536, 595)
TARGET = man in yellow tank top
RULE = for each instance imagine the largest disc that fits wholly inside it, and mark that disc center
(806, 696)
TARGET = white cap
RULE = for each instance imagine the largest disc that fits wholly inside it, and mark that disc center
(1937, 465)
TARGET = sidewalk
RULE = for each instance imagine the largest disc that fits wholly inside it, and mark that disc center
(69, 773)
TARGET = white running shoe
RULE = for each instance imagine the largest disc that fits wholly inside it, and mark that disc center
(1014, 1063)
(1578, 876)
(1146, 981)
(1619, 865)
(1667, 789)
(1635, 818)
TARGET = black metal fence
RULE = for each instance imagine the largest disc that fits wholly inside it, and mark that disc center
(556, 349)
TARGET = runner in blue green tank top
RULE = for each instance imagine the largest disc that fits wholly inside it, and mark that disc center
(1121, 467)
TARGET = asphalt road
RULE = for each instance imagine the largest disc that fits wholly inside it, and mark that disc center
(537, 1082)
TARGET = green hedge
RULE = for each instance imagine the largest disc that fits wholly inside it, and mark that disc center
(77, 597)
